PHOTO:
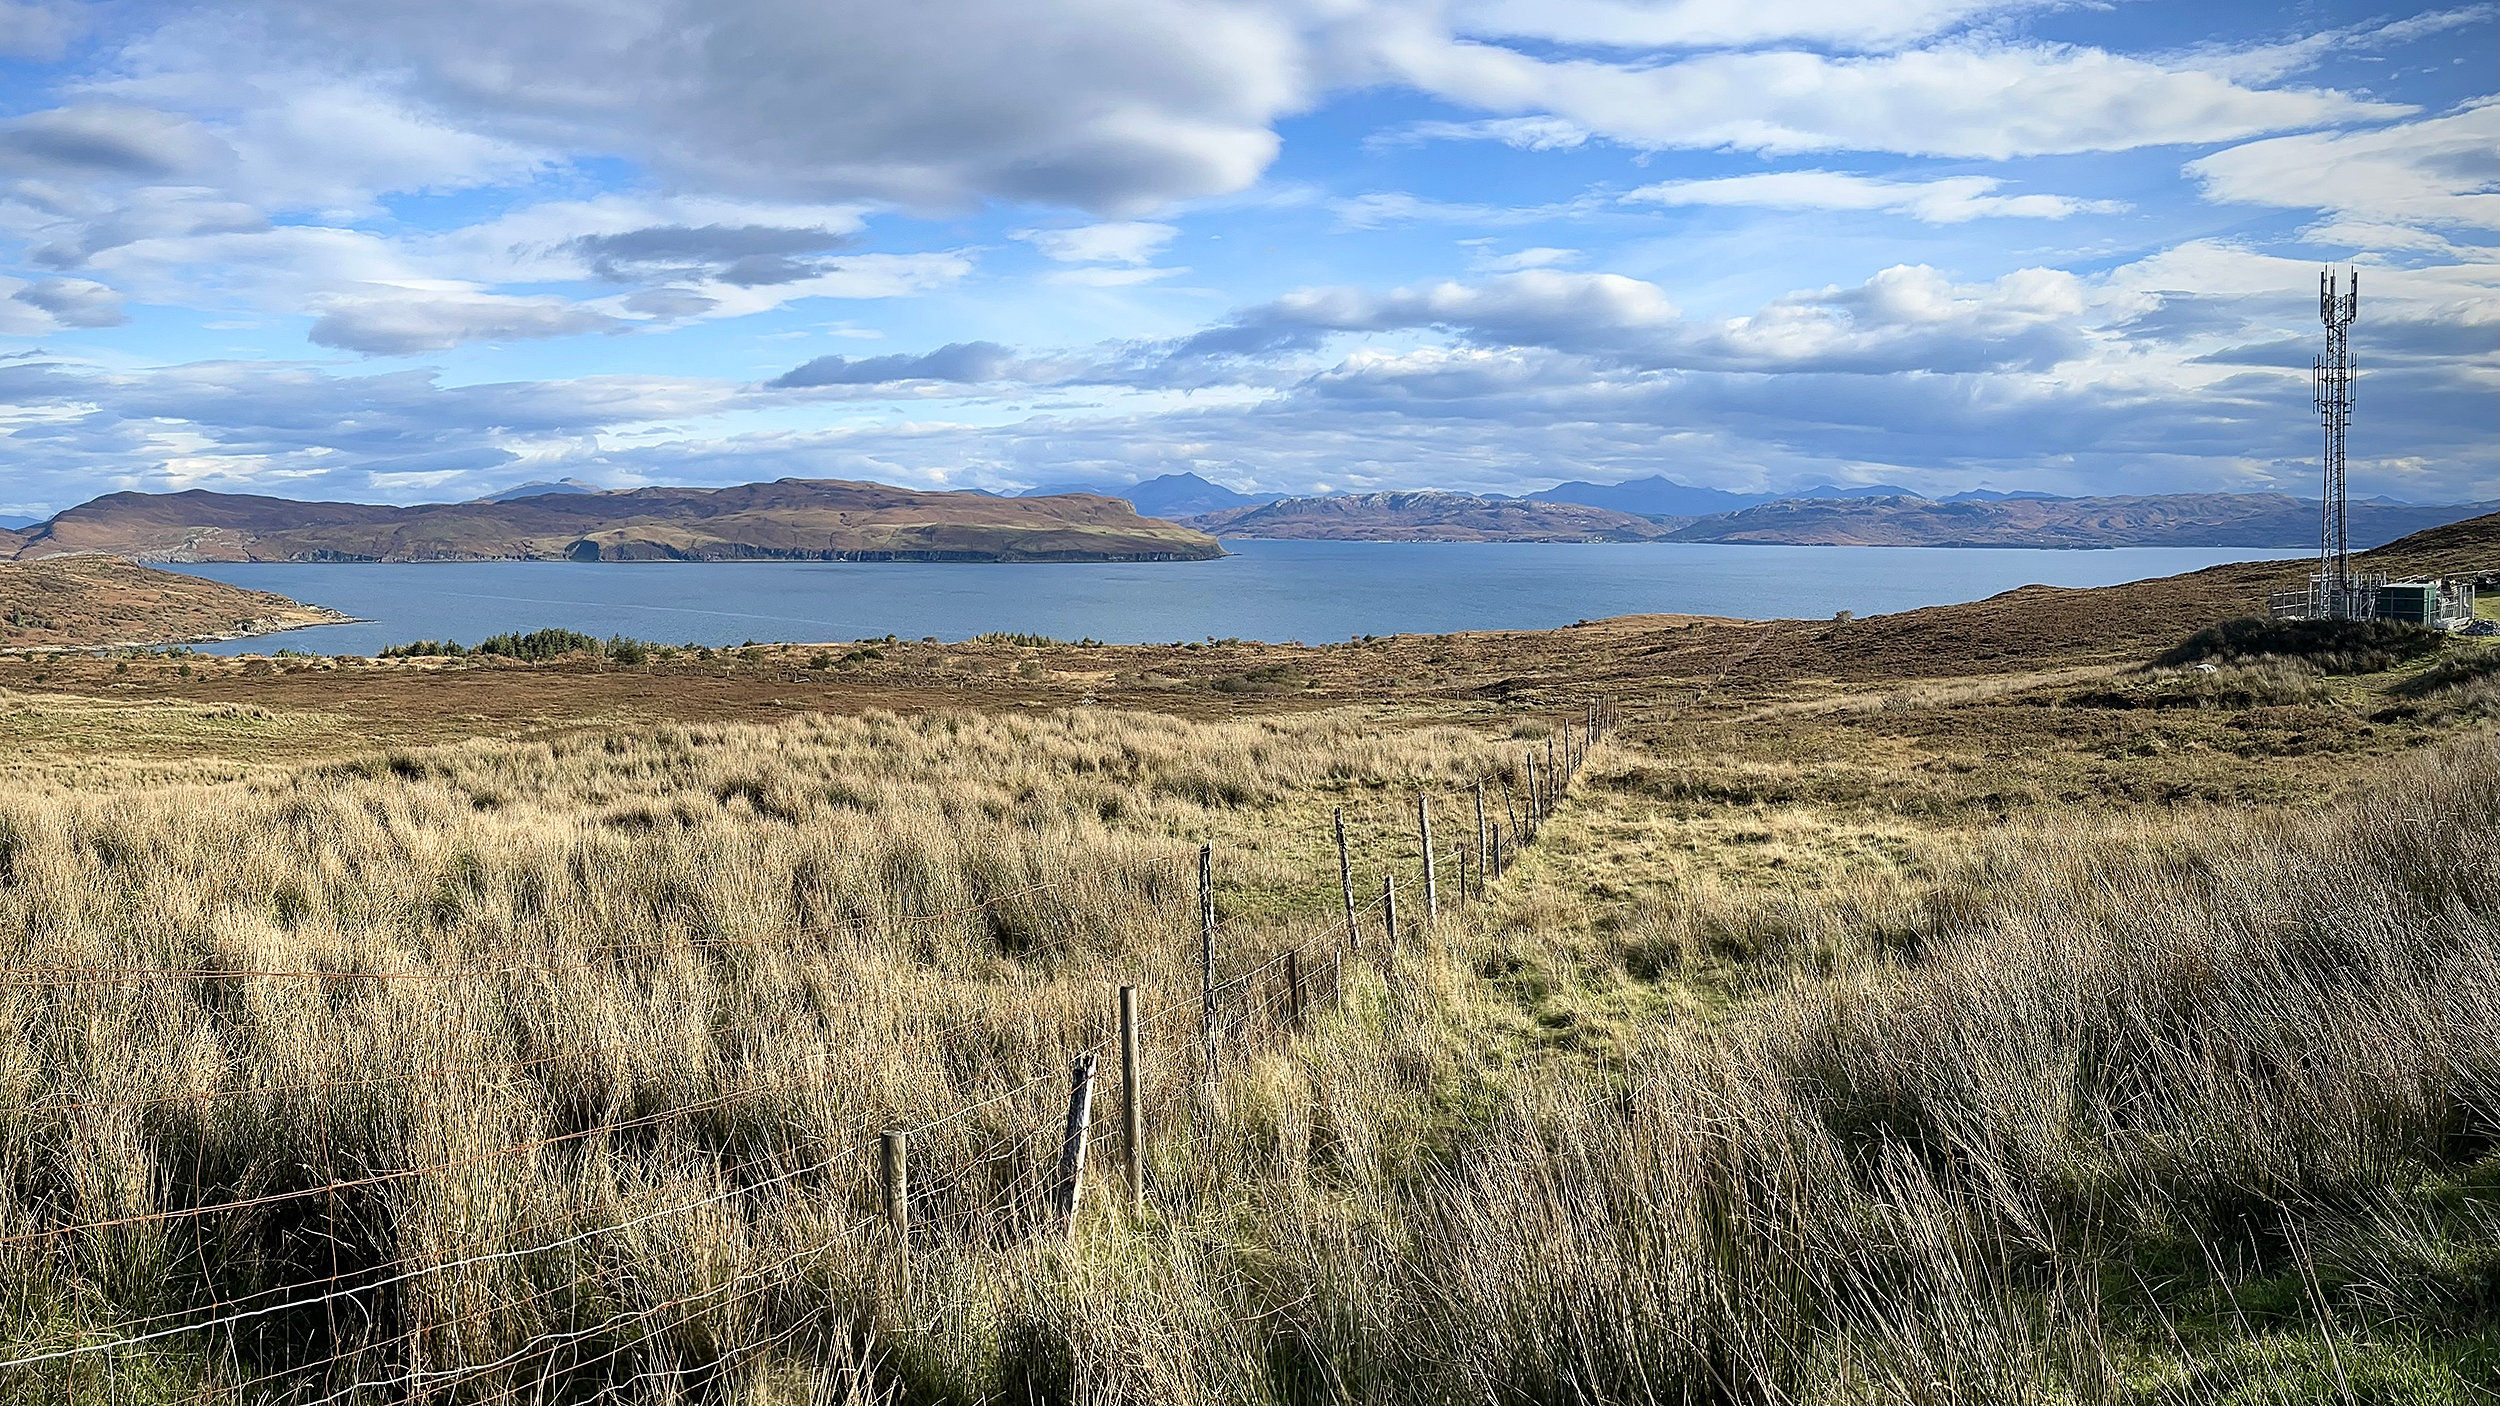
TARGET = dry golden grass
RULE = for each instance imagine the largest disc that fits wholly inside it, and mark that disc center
(1989, 1043)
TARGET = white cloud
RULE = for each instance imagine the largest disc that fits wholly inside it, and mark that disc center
(1657, 24)
(1521, 133)
(2440, 172)
(933, 104)
(1133, 242)
(406, 321)
(33, 30)
(1946, 200)
(1991, 102)
(1109, 277)
(1392, 207)
(74, 302)
(1541, 257)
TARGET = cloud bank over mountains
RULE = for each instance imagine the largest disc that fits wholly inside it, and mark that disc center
(315, 248)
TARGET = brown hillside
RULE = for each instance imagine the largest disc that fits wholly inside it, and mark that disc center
(788, 519)
(89, 601)
(1428, 517)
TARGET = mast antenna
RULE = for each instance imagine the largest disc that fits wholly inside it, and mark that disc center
(2339, 302)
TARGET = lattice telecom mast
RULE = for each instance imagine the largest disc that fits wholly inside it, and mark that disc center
(2339, 302)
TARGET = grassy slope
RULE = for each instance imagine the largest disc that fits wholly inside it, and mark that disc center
(1938, 947)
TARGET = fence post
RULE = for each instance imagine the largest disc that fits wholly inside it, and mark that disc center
(1553, 788)
(1206, 954)
(1389, 910)
(1497, 852)
(1345, 880)
(1484, 851)
(1132, 1127)
(898, 1212)
(1293, 984)
(1080, 1131)
(1432, 880)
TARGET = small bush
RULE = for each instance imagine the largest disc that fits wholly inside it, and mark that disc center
(1268, 678)
(2454, 672)
(534, 646)
(2336, 646)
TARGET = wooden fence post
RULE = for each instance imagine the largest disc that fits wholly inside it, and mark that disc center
(1484, 849)
(898, 1212)
(1132, 1125)
(1080, 1131)
(1345, 880)
(1389, 910)
(1206, 955)
(1432, 880)
(1293, 984)
(1553, 787)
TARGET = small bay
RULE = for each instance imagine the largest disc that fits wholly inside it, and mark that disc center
(1268, 590)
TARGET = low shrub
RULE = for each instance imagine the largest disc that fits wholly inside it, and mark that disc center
(2335, 646)
(1267, 678)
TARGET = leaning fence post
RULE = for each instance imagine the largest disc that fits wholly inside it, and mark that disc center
(898, 1211)
(1345, 880)
(1132, 1129)
(1206, 954)
(1432, 881)
(1080, 1130)
(1389, 910)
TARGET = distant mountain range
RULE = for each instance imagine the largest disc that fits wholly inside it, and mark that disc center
(2163, 520)
(791, 519)
(810, 519)
(1428, 516)
(1171, 495)
(1981, 519)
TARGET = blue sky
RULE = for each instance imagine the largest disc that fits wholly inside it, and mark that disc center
(410, 253)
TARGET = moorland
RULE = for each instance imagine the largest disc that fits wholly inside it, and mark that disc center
(2053, 998)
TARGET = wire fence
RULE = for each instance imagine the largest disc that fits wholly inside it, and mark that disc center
(594, 1282)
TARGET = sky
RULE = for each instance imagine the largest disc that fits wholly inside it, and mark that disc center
(406, 253)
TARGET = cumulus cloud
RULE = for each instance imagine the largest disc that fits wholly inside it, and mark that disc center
(1943, 201)
(411, 321)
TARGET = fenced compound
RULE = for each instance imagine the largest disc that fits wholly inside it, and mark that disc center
(822, 1223)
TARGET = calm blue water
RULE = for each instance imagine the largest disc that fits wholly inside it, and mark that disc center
(1308, 591)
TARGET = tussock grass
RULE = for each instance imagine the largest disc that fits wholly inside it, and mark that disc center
(2111, 1106)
